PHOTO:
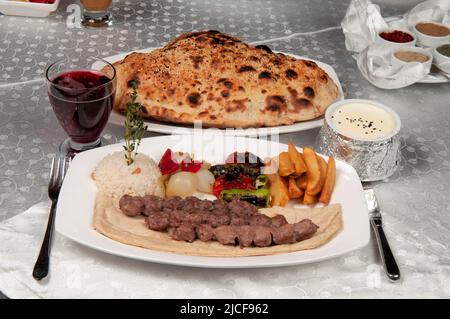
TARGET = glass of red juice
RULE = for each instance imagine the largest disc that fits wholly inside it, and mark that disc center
(82, 97)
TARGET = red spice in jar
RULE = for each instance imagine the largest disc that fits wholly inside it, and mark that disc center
(397, 36)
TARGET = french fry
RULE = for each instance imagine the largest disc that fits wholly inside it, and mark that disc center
(323, 170)
(313, 187)
(330, 180)
(278, 190)
(294, 190)
(286, 167)
(296, 159)
(309, 199)
(302, 181)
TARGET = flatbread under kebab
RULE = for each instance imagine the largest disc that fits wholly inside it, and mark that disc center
(111, 222)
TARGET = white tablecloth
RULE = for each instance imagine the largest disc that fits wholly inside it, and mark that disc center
(80, 272)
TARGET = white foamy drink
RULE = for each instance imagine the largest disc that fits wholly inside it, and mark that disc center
(363, 121)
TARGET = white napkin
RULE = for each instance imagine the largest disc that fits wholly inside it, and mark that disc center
(431, 10)
(80, 272)
(362, 23)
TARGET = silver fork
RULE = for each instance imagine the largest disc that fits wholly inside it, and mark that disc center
(57, 173)
(388, 259)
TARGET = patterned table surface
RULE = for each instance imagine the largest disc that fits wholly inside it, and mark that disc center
(415, 200)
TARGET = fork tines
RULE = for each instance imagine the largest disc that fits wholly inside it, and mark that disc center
(58, 170)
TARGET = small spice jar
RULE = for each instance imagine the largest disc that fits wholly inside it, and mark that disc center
(441, 56)
(431, 34)
(364, 134)
(402, 56)
(394, 38)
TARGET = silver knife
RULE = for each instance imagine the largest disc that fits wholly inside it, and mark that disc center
(389, 263)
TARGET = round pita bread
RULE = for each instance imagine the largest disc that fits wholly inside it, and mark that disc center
(112, 223)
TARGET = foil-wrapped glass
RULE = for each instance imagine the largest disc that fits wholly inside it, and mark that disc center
(372, 160)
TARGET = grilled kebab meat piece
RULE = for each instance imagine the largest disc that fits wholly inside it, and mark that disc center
(158, 221)
(131, 205)
(237, 222)
(226, 235)
(185, 232)
(204, 232)
(304, 229)
(278, 221)
(263, 236)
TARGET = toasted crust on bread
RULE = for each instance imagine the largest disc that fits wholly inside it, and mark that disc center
(224, 82)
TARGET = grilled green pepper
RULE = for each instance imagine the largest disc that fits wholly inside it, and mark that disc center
(258, 197)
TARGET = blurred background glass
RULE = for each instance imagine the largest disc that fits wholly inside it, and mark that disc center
(96, 13)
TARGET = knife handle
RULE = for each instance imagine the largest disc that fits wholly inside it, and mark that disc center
(390, 265)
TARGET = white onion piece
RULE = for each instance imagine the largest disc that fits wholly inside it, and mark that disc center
(205, 181)
(206, 165)
(182, 184)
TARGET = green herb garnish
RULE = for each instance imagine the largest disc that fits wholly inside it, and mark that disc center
(134, 127)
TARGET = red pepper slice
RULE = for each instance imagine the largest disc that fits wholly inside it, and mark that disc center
(167, 165)
(190, 166)
(218, 186)
(241, 182)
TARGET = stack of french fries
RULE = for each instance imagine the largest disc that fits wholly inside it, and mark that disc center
(305, 176)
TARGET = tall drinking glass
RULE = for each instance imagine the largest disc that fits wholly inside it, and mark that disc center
(96, 13)
(82, 97)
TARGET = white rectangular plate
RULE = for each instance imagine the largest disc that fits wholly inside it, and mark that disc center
(171, 128)
(76, 202)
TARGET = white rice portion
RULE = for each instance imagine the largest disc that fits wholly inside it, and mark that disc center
(115, 178)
